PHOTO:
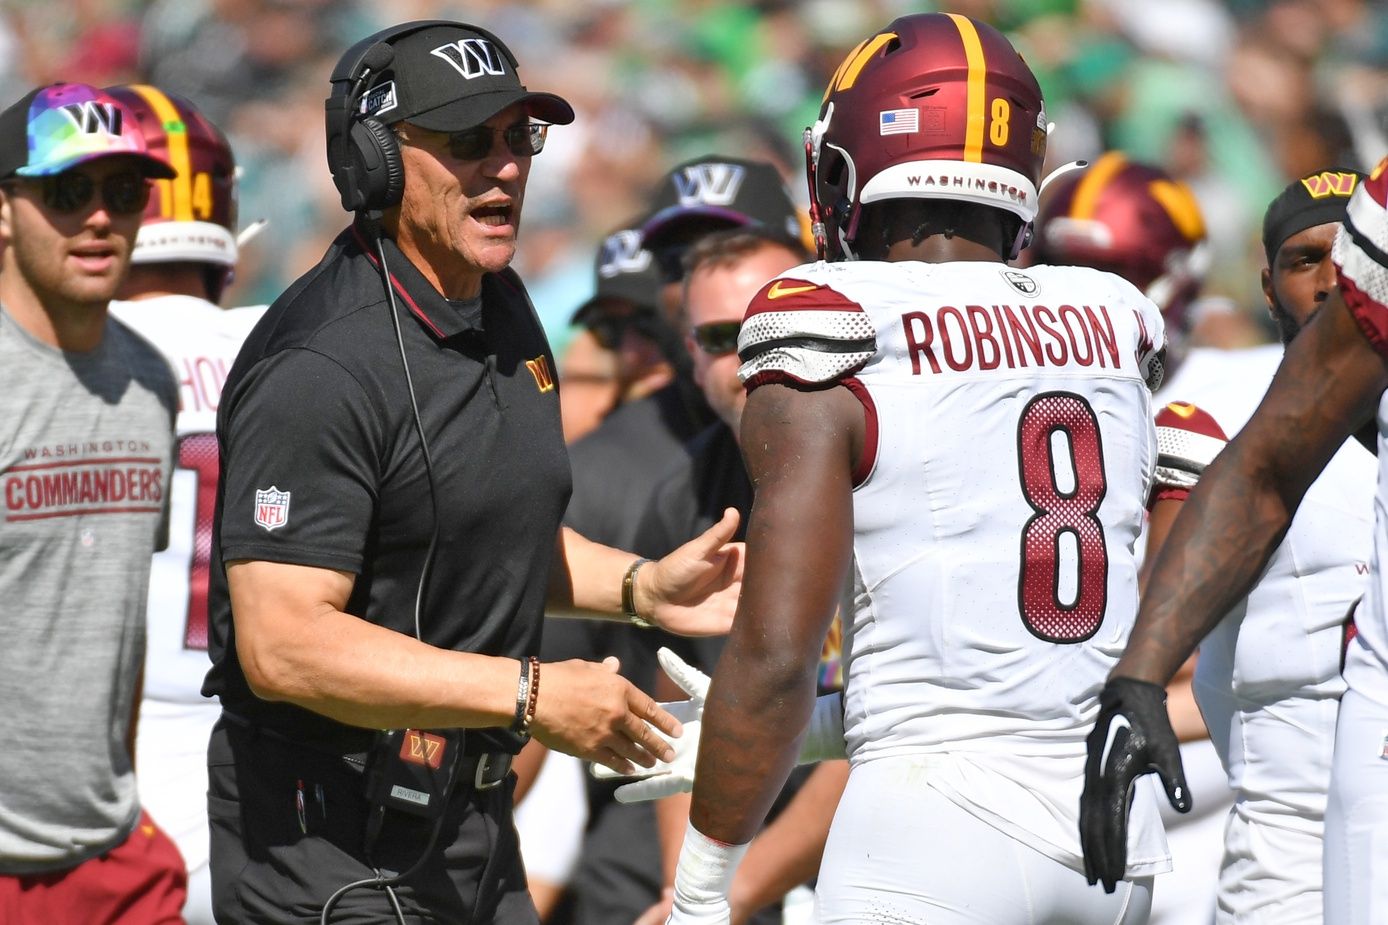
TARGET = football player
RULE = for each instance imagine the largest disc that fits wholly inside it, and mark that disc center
(1135, 220)
(183, 260)
(1269, 680)
(957, 453)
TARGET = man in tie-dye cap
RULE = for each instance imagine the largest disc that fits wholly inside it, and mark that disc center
(86, 414)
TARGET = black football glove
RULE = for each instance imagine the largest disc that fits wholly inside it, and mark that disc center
(1132, 737)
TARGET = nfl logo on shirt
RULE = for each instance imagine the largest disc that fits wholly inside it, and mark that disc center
(271, 507)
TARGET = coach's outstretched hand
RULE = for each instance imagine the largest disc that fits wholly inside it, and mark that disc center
(1132, 737)
(693, 591)
(588, 710)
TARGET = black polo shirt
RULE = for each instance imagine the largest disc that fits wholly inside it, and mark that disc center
(322, 464)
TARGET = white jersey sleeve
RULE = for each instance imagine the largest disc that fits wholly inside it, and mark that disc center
(1011, 445)
(1188, 440)
(200, 341)
(1361, 257)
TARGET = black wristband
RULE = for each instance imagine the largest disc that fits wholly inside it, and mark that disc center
(629, 594)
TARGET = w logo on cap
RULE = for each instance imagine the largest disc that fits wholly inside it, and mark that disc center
(93, 118)
(1330, 183)
(622, 253)
(709, 184)
(472, 57)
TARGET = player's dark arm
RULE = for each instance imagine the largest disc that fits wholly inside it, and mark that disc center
(1327, 387)
(800, 448)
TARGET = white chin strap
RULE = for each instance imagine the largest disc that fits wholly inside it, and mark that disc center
(247, 234)
(1060, 172)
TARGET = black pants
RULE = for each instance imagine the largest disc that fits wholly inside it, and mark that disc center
(270, 864)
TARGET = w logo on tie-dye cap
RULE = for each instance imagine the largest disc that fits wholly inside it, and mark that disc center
(57, 127)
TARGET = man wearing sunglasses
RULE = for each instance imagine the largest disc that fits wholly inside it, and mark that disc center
(86, 434)
(623, 314)
(617, 467)
(388, 526)
(724, 271)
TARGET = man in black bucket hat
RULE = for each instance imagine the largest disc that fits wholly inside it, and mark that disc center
(388, 537)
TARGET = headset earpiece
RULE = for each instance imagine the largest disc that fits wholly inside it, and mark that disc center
(381, 170)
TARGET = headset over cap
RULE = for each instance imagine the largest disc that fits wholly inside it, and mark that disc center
(440, 75)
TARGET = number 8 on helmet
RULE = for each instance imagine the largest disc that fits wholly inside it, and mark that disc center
(935, 106)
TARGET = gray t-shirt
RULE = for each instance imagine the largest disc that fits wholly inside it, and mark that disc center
(85, 447)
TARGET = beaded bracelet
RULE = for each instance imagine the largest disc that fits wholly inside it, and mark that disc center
(534, 697)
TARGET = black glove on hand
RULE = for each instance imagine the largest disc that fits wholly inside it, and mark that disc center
(1132, 737)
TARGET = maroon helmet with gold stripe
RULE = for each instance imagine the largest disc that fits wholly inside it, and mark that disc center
(1131, 219)
(191, 218)
(935, 106)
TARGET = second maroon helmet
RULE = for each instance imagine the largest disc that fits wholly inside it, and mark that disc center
(191, 218)
(935, 106)
(1133, 220)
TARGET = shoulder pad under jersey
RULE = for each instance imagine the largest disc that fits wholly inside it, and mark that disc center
(802, 331)
(1360, 255)
(1188, 440)
(1151, 350)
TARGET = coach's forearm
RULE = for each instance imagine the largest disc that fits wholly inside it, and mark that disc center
(296, 645)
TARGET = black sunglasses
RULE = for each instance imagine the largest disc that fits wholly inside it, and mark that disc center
(608, 330)
(523, 139)
(122, 193)
(718, 338)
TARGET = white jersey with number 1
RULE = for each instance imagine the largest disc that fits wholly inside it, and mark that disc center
(1009, 454)
(200, 341)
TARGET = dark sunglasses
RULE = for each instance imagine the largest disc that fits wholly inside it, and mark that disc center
(523, 139)
(71, 191)
(608, 330)
(719, 338)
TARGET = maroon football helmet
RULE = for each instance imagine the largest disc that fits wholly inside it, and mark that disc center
(191, 218)
(935, 106)
(1133, 220)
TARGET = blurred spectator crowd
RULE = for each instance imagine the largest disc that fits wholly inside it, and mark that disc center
(1235, 97)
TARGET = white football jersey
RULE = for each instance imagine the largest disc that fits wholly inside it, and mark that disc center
(1361, 257)
(1268, 677)
(1009, 455)
(200, 341)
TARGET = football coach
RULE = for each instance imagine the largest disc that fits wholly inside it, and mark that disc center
(387, 534)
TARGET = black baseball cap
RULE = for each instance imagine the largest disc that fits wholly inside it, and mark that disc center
(54, 128)
(622, 270)
(714, 192)
(447, 77)
(1316, 199)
